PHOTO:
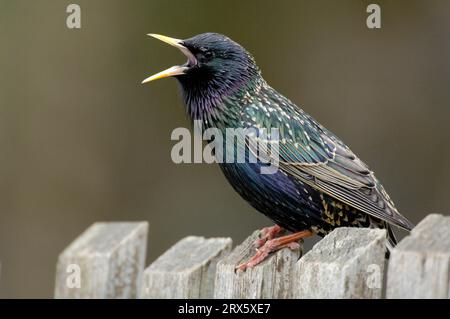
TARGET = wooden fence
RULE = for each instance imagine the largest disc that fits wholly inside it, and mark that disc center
(107, 261)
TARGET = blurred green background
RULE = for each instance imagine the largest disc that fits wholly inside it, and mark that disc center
(82, 140)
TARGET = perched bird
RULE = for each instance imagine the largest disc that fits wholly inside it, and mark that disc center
(320, 184)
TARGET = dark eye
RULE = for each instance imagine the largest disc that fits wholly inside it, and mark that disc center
(206, 53)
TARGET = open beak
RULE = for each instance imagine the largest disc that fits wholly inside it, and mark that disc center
(175, 70)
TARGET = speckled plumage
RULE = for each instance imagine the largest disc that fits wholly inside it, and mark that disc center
(320, 185)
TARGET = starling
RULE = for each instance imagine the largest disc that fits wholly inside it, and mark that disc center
(320, 184)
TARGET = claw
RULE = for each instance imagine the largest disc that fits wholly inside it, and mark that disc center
(268, 233)
(288, 241)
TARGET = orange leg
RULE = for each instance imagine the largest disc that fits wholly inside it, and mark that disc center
(268, 233)
(290, 241)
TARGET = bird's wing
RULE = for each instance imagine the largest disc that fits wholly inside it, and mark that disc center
(312, 154)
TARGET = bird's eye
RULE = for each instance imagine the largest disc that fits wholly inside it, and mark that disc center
(206, 53)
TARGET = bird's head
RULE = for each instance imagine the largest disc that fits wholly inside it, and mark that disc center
(216, 67)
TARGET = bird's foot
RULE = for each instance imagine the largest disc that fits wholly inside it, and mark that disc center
(268, 233)
(289, 241)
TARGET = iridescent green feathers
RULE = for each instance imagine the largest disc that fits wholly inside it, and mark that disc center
(314, 155)
(225, 89)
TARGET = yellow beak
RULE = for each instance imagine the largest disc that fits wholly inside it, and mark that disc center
(175, 70)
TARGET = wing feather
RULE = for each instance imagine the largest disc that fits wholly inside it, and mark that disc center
(312, 154)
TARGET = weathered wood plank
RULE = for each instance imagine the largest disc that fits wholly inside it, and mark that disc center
(106, 261)
(270, 279)
(186, 270)
(419, 266)
(348, 263)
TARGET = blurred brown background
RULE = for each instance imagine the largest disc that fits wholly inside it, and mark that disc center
(82, 140)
